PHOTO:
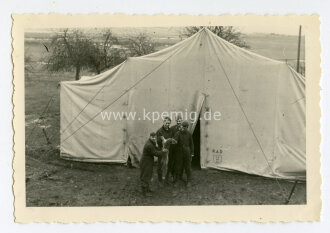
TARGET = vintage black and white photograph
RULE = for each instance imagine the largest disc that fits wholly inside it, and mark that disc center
(165, 116)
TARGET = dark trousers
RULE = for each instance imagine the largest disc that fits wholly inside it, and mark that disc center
(183, 163)
(171, 162)
(162, 164)
(146, 167)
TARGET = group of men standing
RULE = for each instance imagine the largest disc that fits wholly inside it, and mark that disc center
(174, 148)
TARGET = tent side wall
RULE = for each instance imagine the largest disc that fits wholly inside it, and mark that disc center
(290, 131)
(251, 92)
(87, 132)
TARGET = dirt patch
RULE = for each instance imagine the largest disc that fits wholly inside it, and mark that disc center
(52, 181)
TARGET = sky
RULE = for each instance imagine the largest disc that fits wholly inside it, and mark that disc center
(247, 29)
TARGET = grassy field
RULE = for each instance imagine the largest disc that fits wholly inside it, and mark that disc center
(51, 181)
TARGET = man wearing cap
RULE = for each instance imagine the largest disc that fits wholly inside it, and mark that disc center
(185, 152)
(173, 150)
(163, 136)
(150, 150)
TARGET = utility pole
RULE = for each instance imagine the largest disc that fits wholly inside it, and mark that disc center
(298, 59)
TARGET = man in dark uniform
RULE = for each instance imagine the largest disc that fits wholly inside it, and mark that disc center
(150, 150)
(163, 134)
(185, 152)
(173, 150)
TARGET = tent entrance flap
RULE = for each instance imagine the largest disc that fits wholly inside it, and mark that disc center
(196, 160)
(196, 132)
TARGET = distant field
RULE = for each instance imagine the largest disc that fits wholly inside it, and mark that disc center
(278, 47)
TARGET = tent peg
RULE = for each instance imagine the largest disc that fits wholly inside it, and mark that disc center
(47, 139)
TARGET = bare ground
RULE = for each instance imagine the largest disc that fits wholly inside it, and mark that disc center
(52, 181)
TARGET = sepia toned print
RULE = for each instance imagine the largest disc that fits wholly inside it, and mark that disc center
(212, 118)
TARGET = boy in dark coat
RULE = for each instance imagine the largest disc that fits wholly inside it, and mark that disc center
(185, 152)
(173, 150)
(150, 150)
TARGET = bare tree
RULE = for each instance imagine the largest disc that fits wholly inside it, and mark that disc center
(105, 54)
(140, 45)
(70, 50)
(228, 33)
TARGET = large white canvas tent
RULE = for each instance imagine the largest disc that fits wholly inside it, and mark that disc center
(262, 105)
